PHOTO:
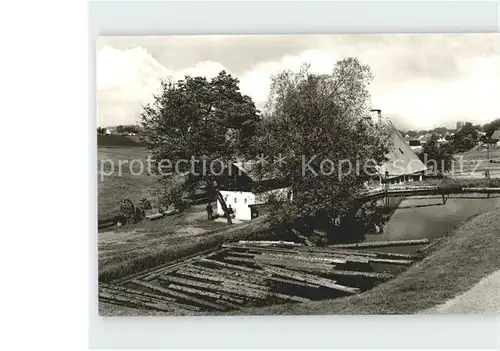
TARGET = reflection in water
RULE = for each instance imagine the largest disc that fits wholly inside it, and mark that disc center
(432, 221)
(414, 218)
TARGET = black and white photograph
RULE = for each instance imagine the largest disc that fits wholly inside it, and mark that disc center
(301, 174)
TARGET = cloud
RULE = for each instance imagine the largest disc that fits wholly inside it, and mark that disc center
(128, 78)
(420, 81)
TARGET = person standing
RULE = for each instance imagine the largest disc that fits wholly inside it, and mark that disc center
(210, 211)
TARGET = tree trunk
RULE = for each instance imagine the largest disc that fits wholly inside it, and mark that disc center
(220, 198)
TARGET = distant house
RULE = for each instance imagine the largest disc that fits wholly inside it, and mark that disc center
(415, 145)
(403, 165)
(240, 196)
(495, 137)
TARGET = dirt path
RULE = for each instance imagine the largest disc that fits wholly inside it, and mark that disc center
(484, 297)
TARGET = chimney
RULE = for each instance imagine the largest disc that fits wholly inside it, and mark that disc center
(376, 115)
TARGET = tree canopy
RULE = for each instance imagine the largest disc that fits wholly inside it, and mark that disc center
(197, 126)
(465, 138)
(490, 128)
(316, 125)
(439, 157)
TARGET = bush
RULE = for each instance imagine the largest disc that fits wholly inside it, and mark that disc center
(127, 210)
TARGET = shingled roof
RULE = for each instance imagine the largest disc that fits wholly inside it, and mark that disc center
(495, 135)
(401, 159)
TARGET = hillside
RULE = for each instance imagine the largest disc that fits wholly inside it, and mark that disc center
(118, 140)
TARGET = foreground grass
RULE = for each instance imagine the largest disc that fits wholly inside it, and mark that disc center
(453, 266)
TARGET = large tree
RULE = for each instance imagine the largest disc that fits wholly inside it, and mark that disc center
(101, 131)
(490, 128)
(198, 126)
(316, 129)
(439, 157)
(465, 138)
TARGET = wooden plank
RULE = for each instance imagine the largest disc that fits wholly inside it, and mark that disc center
(164, 292)
(390, 261)
(259, 278)
(186, 297)
(137, 293)
(181, 263)
(242, 291)
(134, 297)
(241, 254)
(205, 293)
(380, 254)
(349, 255)
(300, 276)
(138, 305)
(293, 282)
(311, 279)
(301, 257)
(315, 268)
(259, 249)
(481, 190)
(307, 242)
(382, 244)
(134, 291)
(252, 277)
(227, 265)
(310, 266)
(371, 275)
(147, 272)
(433, 243)
(120, 300)
(270, 243)
(222, 280)
(216, 295)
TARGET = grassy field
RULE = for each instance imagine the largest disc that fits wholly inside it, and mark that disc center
(122, 182)
(453, 266)
(481, 152)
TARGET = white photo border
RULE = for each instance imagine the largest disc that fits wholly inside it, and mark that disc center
(163, 18)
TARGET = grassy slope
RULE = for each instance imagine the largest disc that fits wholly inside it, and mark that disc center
(117, 140)
(454, 266)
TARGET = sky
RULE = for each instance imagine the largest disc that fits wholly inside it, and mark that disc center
(421, 81)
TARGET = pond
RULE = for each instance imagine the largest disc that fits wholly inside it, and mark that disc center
(426, 217)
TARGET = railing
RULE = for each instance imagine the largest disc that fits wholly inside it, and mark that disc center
(423, 189)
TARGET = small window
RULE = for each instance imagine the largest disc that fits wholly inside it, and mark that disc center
(235, 200)
(401, 151)
(245, 200)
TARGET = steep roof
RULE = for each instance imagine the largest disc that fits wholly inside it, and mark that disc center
(401, 159)
(496, 135)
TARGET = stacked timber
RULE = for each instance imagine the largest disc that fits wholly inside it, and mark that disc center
(258, 273)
